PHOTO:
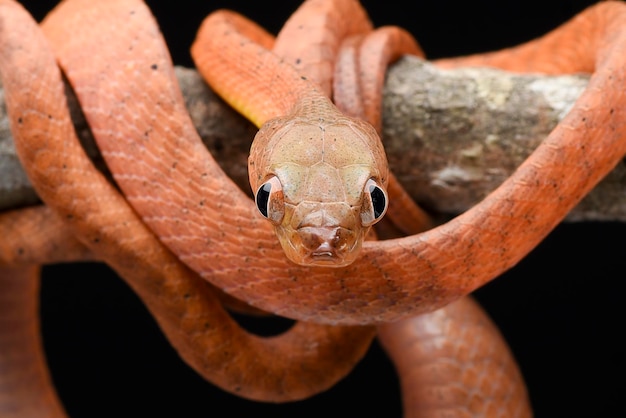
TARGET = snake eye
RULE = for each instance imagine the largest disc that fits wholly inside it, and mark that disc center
(270, 201)
(374, 203)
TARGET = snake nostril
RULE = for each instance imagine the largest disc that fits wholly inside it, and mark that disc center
(320, 240)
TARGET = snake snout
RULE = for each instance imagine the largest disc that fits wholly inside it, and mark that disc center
(325, 245)
(322, 234)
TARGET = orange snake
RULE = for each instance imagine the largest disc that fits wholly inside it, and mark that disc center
(382, 299)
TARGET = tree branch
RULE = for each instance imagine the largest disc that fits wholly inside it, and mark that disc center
(451, 136)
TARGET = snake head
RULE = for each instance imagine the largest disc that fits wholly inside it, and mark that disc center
(322, 185)
(321, 233)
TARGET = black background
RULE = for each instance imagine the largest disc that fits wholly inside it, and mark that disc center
(560, 308)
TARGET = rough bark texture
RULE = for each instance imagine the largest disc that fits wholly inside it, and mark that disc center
(451, 136)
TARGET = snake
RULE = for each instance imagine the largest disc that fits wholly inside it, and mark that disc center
(444, 263)
(176, 192)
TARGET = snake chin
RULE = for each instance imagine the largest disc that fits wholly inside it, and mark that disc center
(327, 259)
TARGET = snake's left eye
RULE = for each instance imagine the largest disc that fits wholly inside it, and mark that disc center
(270, 200)
(374, 203)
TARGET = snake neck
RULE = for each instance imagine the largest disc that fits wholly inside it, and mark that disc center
(315, 106)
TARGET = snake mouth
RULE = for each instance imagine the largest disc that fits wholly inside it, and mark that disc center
(324, 257)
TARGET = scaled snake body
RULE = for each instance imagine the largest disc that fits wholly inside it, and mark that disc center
(136, 113)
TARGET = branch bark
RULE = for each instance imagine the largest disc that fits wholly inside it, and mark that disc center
(451, 136)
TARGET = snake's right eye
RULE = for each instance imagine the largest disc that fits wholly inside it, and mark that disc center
(270, 200)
